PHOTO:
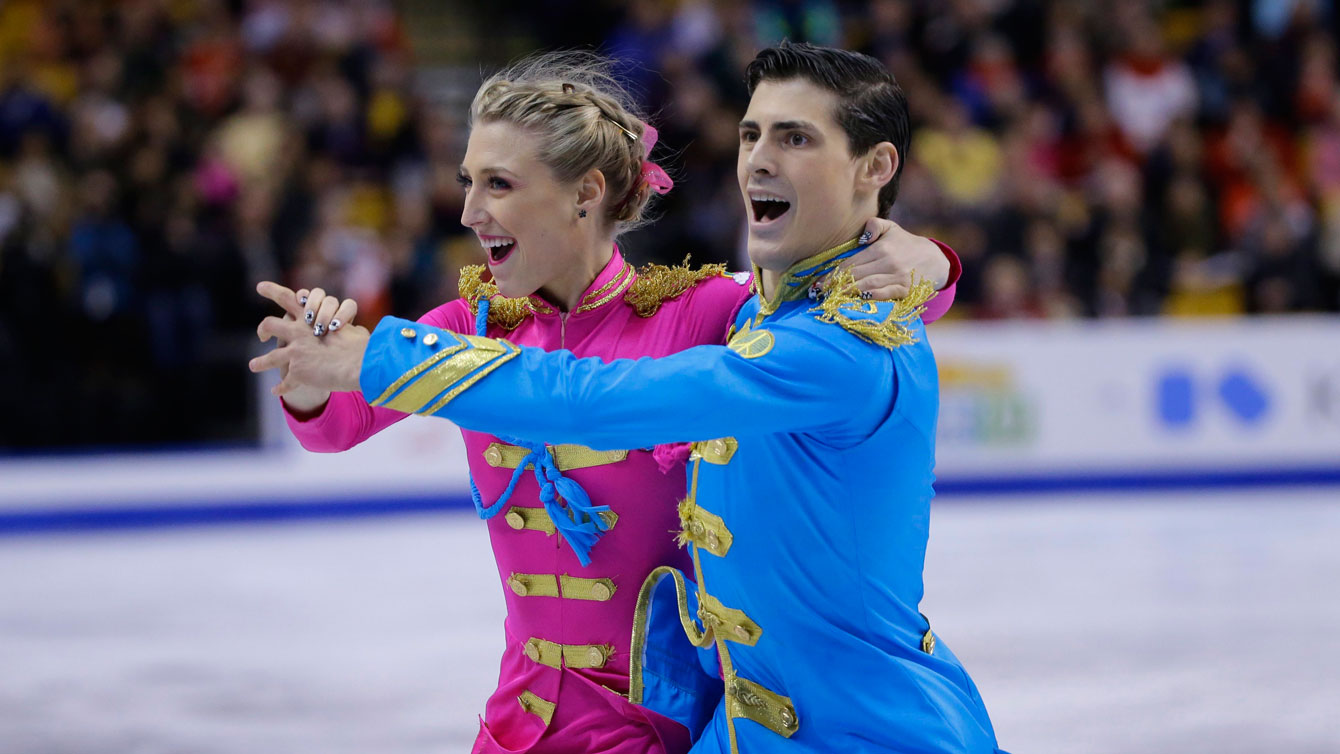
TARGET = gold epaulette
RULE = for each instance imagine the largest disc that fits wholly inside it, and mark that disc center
(657, 283)
(507, 313)
(843, 306)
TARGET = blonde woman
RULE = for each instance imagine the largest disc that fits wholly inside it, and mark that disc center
(556, 167)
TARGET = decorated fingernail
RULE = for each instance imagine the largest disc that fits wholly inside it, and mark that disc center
(865, 237)
(302, 301)
(309, 315)
(335, 325)
(866, 295)
(319, 330)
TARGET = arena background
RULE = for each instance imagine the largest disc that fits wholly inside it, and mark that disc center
(1139, 451)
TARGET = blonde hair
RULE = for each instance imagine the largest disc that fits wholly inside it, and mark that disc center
(584, 119)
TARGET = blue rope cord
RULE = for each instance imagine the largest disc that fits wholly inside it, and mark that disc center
(579, 521)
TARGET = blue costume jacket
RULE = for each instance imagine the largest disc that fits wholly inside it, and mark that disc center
(807, 516)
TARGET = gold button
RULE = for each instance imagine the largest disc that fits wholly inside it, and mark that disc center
(532, 651)
(788, 718)
(518, 586)
(742, 632)
(712, 540)
(719, 447)
(493, 456)
(515, 519)
(601, 591)
(430, 339)
(408, 332)
(595, 656)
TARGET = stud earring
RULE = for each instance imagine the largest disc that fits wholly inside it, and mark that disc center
(581, 213)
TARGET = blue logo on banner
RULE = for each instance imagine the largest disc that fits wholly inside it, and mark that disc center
(1243, 395)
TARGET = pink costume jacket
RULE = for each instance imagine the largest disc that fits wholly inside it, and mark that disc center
(564, 672)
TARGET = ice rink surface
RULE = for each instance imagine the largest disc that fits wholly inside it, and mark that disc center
(1157, 623)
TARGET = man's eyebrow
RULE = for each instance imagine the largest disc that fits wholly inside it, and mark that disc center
(784, 125)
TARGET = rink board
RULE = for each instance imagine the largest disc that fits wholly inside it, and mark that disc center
(1029, 407)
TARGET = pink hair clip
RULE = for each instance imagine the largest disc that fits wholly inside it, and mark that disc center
(653, 174)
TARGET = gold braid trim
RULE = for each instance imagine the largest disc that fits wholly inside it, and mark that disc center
(657, 283)
(507, 313)
(842, 299)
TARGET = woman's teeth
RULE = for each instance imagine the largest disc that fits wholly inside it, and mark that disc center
(498, 248)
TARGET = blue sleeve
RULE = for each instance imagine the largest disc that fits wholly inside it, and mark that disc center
(783, 378)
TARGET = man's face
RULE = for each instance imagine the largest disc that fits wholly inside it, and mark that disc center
(797, 175)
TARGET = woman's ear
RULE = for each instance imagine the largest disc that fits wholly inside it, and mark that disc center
(590, 191)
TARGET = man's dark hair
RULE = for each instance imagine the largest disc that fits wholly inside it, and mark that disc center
(871, 105)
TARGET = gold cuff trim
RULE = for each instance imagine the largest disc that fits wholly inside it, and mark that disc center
(706, 530)
(596, 590)
(417, 370)
(533, 704)
(462, 365)
(728, 623)
(566, 457)
(537, 519)
(474, 365)
(753, 702)
(717, 452)
(533, 584)
(567, 655)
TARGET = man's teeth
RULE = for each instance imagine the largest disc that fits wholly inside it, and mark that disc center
(766, 198)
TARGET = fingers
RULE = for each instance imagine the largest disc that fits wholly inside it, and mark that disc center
(876, 227)
(314, 299)
(344, 315)
(325, 312)
(884, 287)
(286, 330)
(275, 359)
(284, 387)
(287, 299)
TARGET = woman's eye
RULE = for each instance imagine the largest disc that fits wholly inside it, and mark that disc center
(464, 182)
(499, 184)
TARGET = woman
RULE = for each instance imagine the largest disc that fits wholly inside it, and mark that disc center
(555, 168)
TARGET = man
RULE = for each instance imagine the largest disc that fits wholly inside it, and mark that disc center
(813, 440)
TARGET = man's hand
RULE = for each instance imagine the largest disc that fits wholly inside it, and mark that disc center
(884, 270)
(329, 363)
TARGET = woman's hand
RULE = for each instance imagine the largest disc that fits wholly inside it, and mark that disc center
(324, 314)
(884, 270)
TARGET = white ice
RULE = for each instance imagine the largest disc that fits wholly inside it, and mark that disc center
(1160, 623)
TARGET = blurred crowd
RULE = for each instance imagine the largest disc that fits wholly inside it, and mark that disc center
(158, 157)
(1085, 159)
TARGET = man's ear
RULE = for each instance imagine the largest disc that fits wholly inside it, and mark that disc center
(879, 166)
(591, 190)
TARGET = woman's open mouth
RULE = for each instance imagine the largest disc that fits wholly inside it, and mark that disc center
(499, 248)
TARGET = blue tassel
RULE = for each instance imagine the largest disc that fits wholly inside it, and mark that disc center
(578, 521)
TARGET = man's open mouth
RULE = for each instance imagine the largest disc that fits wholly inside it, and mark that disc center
(498, 247)
(767, 207)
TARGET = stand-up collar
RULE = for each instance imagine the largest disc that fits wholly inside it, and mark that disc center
(795, 283)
